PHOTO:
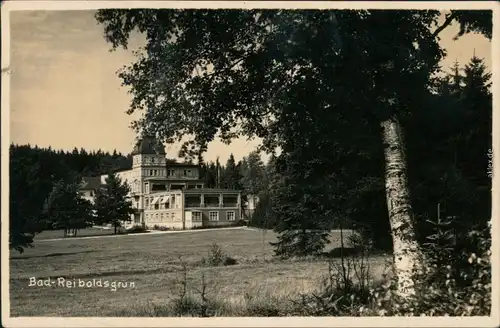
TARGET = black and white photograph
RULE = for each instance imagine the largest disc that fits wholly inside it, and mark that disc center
(197, 161)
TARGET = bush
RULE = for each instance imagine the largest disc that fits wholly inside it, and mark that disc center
(216, 257)
(240, 223)
(161, 228)
(345, 289)
(451, 284)
(459, 288)
(136, 229)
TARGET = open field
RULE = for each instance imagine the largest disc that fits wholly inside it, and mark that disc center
(152, 263)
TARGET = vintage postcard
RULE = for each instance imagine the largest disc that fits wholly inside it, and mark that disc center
(250, 163)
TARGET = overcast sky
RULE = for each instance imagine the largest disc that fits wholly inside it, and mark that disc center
(65, 92)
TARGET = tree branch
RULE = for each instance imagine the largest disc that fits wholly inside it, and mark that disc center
(446, 23)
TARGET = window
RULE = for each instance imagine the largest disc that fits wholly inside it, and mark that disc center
(156, 217)
(146, 205)
(196, 216)
(91, 193)
(162, 217)
(150, 172)
(213, 216)
(230, 216)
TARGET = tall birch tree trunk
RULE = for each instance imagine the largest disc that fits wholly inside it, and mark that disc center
(407, 253)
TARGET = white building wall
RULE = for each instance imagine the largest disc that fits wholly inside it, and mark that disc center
(88, 195)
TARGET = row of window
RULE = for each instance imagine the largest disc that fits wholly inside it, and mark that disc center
(214, 216)
(147, 160)
(196, 216)
(161, 203)
(169, 173)
(154, 173)
(161, 217)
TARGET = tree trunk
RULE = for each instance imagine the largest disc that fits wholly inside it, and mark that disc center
(407, 253)
(115, 228)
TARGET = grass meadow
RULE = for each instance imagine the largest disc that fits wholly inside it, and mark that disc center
(162, 267)
(88, 232)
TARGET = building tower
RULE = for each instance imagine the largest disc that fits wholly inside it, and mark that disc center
(148, 163)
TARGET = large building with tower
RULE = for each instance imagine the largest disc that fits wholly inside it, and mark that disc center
(170, 195)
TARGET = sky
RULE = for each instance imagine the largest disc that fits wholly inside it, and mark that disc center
(65, 92)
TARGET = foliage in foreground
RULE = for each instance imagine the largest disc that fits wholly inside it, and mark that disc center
(460, 288)
(349, 289)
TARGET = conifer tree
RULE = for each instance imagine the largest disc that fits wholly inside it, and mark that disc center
(253, 174)
(231, 175)
(66, 209)
(300, 203)
(111, 203)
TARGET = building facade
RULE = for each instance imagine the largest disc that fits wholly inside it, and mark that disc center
(170, 195)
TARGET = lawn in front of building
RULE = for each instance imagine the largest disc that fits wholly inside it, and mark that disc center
(150, 269)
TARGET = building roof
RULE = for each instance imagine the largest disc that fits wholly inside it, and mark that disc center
(209, 190)
(148, 145)
(91, 183)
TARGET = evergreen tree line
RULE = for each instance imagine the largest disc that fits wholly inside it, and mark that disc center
(36, 172)
(66, 209)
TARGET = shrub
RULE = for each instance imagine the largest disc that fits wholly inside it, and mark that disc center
(230, 261)
(136, 229)
(191, 306)
(161, 228)
(240, 223)
(339, 295)
(345, 289)
(217, 257)
(186, 304)
(442, 290)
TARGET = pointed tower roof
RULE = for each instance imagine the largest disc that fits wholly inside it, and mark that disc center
(148, 145)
